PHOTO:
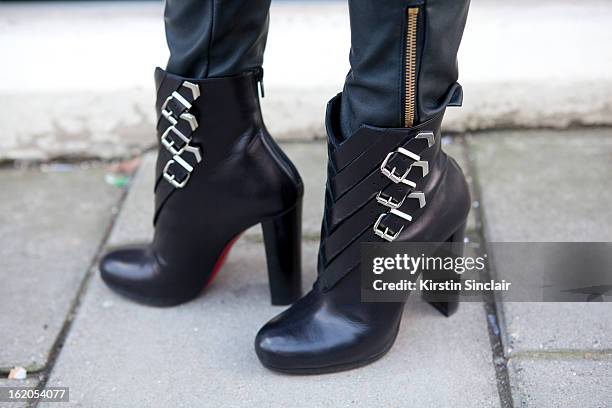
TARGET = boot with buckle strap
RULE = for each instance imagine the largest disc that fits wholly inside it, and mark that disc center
(218, 173)
(389, 183)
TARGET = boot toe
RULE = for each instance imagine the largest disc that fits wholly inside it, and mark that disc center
(281, 350)
(124, 266)
(136, 273)
(270, 348)
(306, 339)
(131, 272)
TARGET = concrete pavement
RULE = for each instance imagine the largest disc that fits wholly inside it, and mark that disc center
(111, 352)
(202, 352)
(550, 186)
(52, 223)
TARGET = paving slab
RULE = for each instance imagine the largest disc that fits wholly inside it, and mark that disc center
(542, 186)
(548, 186)
(51, 225)
(201, 353)
(100, 101)
(121, 354)
(573, 382)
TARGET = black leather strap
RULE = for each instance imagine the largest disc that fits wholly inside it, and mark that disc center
(343, 233)
(355, 182)
(225, 108)
(375, 181)
(351, 148)
(176, 125)
(367, 162)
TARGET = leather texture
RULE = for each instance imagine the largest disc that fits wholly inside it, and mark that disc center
(330, 329)
(215, 38)
(243, 178)
(373, 91)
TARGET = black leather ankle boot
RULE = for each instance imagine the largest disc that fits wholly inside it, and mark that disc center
(218, 173)
(388, 180)
(384, 184)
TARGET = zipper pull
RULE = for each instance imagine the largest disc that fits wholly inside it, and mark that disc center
(259, 73)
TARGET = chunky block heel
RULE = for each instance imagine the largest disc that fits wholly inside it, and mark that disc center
(283, 241)
(446, 302)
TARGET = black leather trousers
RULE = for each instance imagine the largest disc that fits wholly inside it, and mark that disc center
(213, 38)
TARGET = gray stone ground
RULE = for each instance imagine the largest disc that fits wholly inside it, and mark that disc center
(111, 336)
(550, 186)
(115, 353)
(51, 225)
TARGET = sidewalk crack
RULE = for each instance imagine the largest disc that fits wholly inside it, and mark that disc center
(493, 313)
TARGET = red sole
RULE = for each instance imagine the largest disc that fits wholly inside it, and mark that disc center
(221, 260)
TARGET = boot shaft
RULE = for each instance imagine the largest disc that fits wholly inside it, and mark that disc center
(403, 62)
(227, 176)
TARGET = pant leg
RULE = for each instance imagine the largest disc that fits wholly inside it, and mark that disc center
(374, 88)
(215, 38)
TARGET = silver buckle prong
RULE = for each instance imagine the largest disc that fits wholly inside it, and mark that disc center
(169, 144)
(384, 234)
(389, 202)
(391, 173)
(171, 119)
(170, 177)
(195, 91)
(167, 114)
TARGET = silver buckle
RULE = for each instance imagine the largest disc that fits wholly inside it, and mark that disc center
(389, 202)
(388, 234)
(171, 178)
(175, 95)
(169, 144)
(391, 173)
(195, 91)
(186, 116)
